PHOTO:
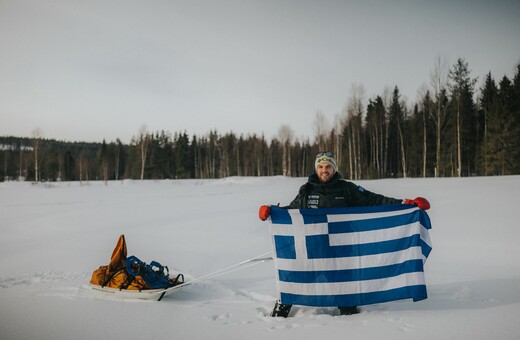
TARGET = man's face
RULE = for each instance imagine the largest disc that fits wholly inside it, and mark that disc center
(324, 171)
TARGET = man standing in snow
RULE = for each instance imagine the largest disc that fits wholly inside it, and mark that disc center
(326, 189)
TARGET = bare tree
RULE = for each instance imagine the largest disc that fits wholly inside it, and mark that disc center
(37, 136)
(387, 102)
(354, 115)
(142, 140)
(337, 130)
(439, 82)
(321, 128)
(286, 136)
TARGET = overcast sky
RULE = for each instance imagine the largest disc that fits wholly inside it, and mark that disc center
(90, 70)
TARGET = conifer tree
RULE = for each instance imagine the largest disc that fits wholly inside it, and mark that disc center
(487, 105)
(462, 89)
(396, 156)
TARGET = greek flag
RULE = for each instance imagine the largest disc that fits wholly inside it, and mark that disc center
(350, 256)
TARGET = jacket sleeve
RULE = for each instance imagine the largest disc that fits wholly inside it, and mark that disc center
(359, 196)
(299, 201)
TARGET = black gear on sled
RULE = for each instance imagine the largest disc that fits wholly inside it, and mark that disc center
(154, 274)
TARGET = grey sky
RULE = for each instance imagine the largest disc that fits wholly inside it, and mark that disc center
(88, 70)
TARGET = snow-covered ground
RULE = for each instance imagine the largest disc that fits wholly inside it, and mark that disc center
(53, 235)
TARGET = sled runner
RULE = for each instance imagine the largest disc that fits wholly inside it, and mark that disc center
(125, 294)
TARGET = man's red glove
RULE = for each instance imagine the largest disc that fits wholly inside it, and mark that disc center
(264, 212)
(421, 202)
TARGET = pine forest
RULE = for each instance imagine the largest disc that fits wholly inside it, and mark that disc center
(453, 130)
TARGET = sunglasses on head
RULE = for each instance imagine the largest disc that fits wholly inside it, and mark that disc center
(325, 153)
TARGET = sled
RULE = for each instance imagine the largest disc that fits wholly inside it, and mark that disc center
(131, 278)
(141, 292)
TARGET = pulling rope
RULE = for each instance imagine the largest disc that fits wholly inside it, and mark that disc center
(228, 270)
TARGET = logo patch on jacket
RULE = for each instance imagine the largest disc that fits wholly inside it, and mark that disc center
(360, 188)
(313, 201)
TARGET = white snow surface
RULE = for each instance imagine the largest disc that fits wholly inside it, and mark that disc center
(54, 235)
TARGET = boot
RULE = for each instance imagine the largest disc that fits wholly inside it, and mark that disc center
(348, 310)
(281, 309)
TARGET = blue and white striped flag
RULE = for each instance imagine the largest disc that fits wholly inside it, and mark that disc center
(350, 256)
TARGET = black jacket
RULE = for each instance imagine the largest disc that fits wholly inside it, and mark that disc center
(336, 193)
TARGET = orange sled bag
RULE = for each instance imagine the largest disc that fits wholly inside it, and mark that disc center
(114, 275)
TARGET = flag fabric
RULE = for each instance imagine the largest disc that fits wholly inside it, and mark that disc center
(350, 256)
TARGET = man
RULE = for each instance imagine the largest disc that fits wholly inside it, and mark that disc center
(326, 189)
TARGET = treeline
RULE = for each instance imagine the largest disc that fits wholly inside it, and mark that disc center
(158, 155)
(452, 130)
